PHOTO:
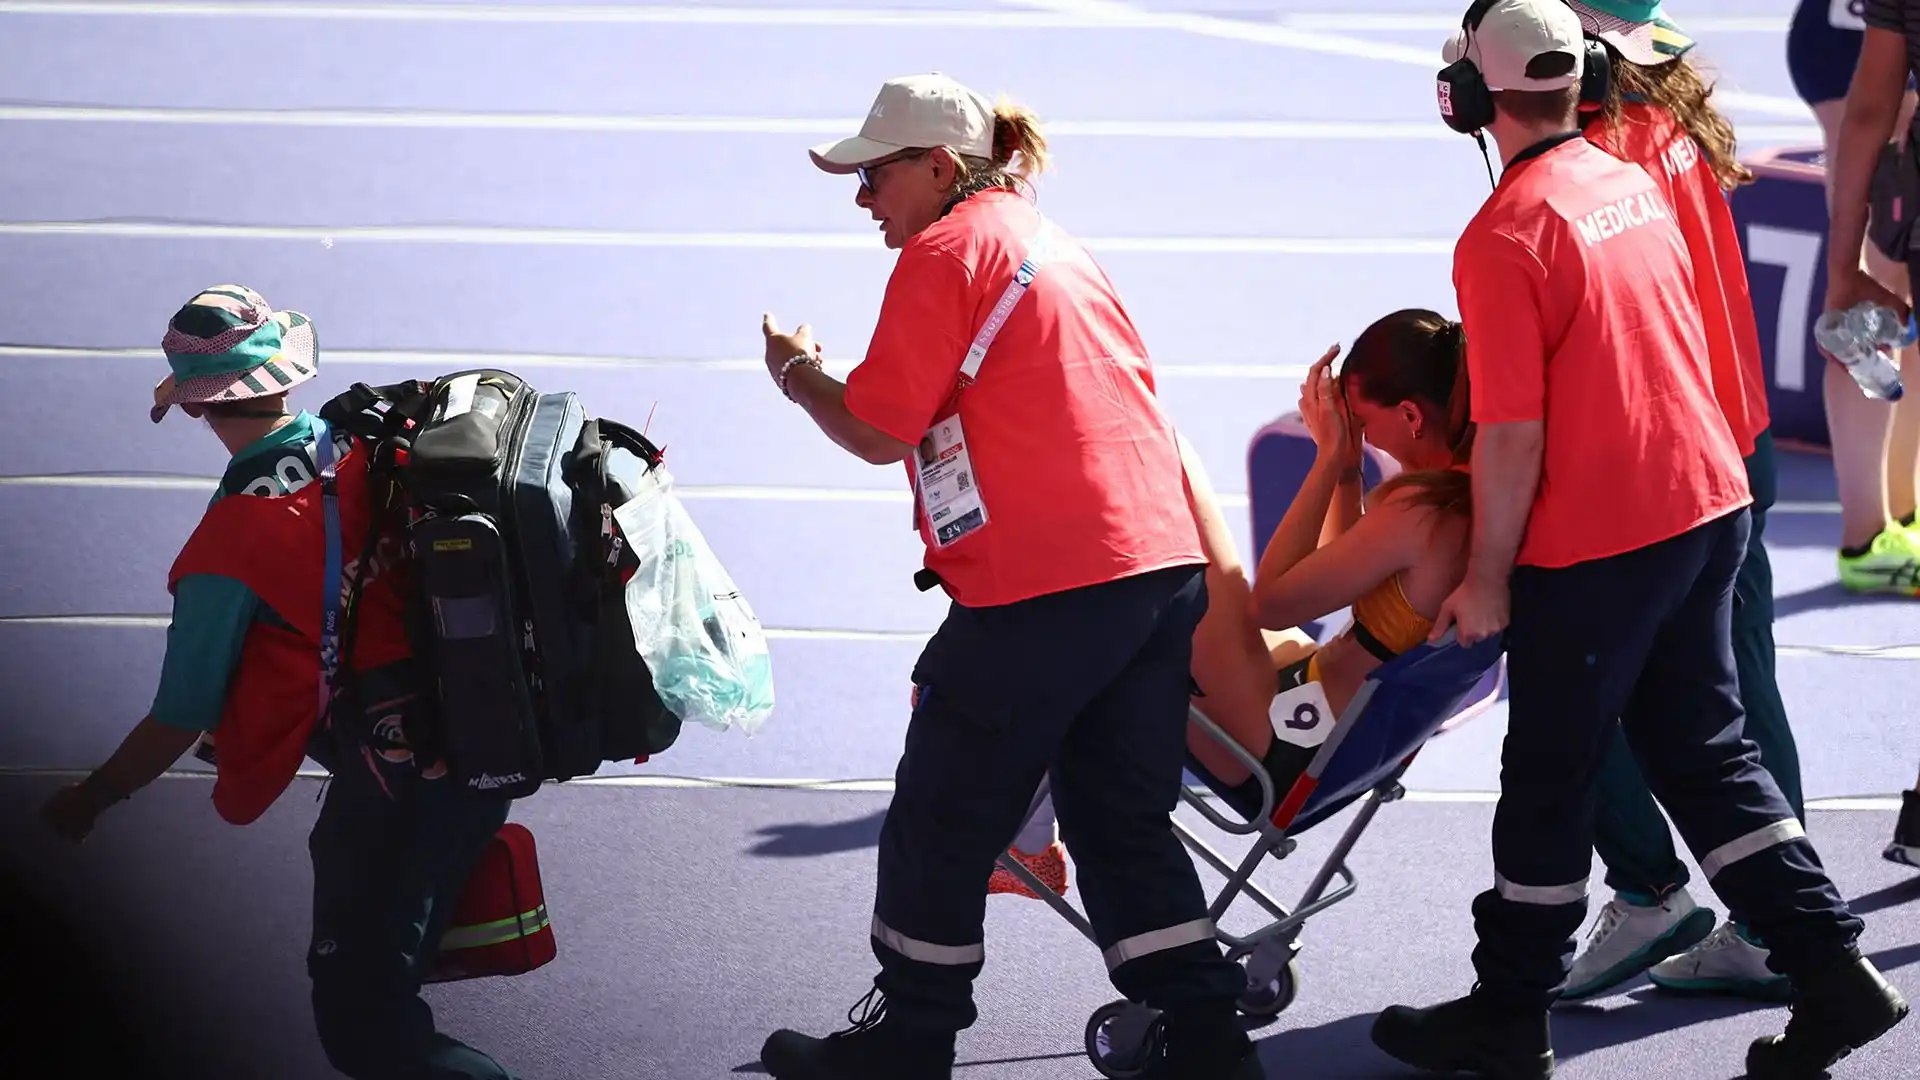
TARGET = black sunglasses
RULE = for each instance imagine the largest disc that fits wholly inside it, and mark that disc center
(865, 172)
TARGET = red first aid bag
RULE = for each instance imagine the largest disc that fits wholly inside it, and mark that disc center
(500, 925)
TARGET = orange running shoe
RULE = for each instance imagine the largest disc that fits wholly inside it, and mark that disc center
(1050, 866)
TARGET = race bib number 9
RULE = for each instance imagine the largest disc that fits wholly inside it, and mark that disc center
(1301, 715)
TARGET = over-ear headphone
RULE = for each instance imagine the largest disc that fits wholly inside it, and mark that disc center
(1465, 102)
(1596, 75)
(1467, 105)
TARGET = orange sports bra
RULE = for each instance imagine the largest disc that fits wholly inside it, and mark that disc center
(1384, 624)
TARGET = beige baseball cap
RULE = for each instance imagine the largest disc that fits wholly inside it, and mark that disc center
(912, 113)
(1511, 33)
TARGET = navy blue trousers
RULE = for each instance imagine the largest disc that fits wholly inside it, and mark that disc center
(391, 853)
(1643, 642)
(1090, 686)
(1630, 833)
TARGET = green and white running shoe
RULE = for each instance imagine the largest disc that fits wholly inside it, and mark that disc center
(1891, 564)
(1725, 963)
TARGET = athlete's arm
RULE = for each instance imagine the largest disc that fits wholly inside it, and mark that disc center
(1299, 582)
(1344, 511)
(1873, 105)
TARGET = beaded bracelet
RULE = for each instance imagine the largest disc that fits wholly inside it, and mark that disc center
(787, 369)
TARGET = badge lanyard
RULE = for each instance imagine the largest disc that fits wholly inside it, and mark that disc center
(1037, 256)
(330, 579)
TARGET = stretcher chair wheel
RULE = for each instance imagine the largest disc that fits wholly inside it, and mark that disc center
(1269, 1001)
(1123, 1039)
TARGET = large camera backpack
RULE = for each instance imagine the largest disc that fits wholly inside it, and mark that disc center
(506, 498)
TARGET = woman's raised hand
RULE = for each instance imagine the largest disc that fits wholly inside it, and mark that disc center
(1325, 412)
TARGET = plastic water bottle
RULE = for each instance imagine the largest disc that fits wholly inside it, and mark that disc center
(1866, 339)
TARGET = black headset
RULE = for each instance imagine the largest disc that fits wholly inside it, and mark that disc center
(1467, 105)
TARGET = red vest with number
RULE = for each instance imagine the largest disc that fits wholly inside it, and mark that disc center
(276, 546)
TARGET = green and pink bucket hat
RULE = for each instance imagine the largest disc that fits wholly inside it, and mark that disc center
(1637, 30)
(228, 344)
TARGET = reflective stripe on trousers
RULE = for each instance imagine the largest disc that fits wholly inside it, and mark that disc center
(1755, 842)
(1153, 941)
(1572, 892)
(926, 952)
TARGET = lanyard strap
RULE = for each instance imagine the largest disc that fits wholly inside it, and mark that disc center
(1037, 255)
(330, 579)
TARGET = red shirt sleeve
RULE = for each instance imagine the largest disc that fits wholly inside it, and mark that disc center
(1499, 286)
(918, 344)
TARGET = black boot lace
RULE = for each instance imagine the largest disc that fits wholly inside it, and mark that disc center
(871, 1009)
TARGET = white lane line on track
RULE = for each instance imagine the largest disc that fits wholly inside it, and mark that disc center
(657, 14)
(1037, 14)
(1840, 803)
(451, 360)
(434, 119)
(775, 633)
(722, 492)
(1213, 26)
(690, 492)
(557, 14)
(1443, 22)
(331, 236)
(1897, 653)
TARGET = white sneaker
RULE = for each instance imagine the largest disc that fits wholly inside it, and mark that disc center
(1627, 939)
(1725, 963)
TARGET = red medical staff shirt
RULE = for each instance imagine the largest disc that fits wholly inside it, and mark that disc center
(1074, 458)
(1577, 295)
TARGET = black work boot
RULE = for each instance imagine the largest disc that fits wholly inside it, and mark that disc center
(1469, 1035)
(1905, 848)
(874, 1048)
(1836, 1011)
(1205, 1042)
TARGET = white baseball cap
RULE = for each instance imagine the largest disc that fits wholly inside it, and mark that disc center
(912, 113)
(1511, 33)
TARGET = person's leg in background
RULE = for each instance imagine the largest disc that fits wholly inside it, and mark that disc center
(1651, 916)
(1877, 554)
(1732, 960)
(1038, 848)
(1905, 846)
(1116, 783)
(391, 855)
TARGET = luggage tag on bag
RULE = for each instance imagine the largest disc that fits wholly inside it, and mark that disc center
(1301, 715)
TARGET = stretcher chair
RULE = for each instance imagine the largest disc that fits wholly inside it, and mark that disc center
(1406, 701)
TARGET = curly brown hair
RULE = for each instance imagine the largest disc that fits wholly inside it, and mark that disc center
(1678, 87)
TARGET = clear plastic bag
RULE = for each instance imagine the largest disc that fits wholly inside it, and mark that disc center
(697, 633)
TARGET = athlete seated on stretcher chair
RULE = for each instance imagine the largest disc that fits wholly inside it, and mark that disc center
(1405, 390)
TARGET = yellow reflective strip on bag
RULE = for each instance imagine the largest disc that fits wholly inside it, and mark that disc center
(481, 935)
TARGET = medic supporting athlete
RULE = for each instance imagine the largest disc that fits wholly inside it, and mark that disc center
(1049, 495)
(1655, 111)
(252, 673)
(1611, 518)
